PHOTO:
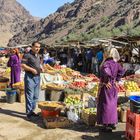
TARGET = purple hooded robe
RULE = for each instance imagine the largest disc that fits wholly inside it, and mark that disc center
(14, 63)
(111, 71)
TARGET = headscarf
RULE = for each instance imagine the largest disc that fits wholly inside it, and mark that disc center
(111, 53)
(114, 54)
(16, 51)
(28, 49)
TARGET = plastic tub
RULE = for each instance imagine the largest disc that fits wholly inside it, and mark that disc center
(135, 104)
(11, 95)
(46, 113)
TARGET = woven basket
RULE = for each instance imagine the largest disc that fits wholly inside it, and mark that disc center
(88, 119)
(45, 105)
(57, 88)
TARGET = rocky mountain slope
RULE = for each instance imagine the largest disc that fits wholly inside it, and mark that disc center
(13, 18)
(84, 19)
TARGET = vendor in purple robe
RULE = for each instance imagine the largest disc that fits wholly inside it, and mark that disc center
(111, 72)
(14, 63)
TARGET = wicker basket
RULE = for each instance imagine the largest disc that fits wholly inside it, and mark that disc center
(45, 105)
(88, 119)
(57, 88)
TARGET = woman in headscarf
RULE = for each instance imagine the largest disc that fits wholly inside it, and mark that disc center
(111, 72)
(14, 62)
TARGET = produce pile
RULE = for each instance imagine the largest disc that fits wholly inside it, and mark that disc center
(5, 72)
(78, 84)
(90, 111)
(93, 77)
(72, 101)
(75, 104)
(52, 105)
(59, 78)
(89, 116)
(73, 91)
(121, 88)
(19, 85)
(3, 61)
(131, 86)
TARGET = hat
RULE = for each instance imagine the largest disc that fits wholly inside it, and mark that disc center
(28, 49)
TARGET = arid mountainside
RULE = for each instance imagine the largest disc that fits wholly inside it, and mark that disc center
(83, 20)
(13, 18)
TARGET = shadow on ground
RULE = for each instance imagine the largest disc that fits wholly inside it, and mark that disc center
(38, 121)
(91, 133)
(12, 113)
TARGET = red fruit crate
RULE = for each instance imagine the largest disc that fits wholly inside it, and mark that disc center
(132, 126)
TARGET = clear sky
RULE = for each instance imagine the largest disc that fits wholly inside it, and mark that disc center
(42, 8)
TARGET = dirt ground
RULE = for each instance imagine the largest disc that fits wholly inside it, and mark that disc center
(14, 126)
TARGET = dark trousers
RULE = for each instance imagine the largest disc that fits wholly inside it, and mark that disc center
(32, 86)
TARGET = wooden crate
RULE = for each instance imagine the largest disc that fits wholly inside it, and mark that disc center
(3, 85)
(57, 122)
(88, 119)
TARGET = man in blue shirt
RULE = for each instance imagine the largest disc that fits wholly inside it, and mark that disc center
(99, 56)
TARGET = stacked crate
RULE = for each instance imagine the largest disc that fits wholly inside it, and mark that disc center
(132, 126)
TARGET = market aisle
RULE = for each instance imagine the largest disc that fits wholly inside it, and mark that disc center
(13, 126)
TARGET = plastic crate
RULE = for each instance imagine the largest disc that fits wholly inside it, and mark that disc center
(132, 126)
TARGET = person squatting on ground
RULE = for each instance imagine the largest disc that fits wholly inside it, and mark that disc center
(31, 64)
(111, 72)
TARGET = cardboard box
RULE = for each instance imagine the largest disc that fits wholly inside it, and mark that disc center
(123, 115)
(21, 96)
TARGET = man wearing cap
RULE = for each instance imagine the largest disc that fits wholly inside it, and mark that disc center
(31, 65)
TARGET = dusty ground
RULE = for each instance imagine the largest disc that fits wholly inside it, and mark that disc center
(14, 126)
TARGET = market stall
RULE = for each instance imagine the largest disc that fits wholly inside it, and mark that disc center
(67, 96)
(78, 95)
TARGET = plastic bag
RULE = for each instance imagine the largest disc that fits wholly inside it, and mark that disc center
(72, 115)
(91, 102)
